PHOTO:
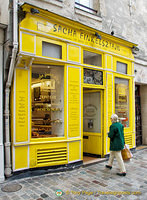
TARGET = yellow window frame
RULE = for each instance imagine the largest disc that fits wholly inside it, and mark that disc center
(130, 79)
(92, 51)
(39, 41)
(49, 139)
(115, 60)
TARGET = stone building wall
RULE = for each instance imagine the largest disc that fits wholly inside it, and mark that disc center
(127, 19)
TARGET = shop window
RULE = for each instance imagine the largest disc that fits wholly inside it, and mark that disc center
(93, 77)
(47, 90)
(122, 100)
(121, 67)
(91, 58)
(87, 5)
(51, 50)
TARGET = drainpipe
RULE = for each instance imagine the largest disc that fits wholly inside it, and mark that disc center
(7, 91)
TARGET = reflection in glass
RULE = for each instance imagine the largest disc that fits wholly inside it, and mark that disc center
(91, 58)
(121, 67)
(91, 111)
(51, 50)
(122, 100)
(47, 91)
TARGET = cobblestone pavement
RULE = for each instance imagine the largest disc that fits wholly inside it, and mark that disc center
(91, 182)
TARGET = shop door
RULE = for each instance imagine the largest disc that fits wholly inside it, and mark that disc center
(92, 122)
(138, 116)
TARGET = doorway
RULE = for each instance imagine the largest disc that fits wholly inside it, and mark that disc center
(138, 122)
(92, 124)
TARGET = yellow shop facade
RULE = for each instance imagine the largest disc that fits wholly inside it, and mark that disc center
(68, 80)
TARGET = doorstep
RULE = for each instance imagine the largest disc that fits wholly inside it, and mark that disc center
(141, 147)
(91, 160)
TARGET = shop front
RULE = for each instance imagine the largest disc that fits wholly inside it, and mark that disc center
(67, 83)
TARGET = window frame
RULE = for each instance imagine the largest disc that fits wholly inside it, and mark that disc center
(64, 106)
(125, 77)
(127, 62)
(89, 9)
(96, 52)
(39, 48)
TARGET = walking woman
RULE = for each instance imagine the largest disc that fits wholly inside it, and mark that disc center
(117, 142)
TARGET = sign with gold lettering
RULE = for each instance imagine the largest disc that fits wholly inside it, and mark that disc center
(76, 35)
(65, 31)
(73, 102)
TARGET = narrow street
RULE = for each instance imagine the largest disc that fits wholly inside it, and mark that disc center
(91, 182)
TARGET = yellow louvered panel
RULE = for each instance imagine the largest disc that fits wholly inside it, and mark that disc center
(51, 156)
(128, 140)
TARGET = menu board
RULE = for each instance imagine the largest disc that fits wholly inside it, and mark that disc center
(21, 117)
(73, 102)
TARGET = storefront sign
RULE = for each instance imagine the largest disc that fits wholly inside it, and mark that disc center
(76, 35)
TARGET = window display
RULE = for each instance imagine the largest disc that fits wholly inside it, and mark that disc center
(122, 100)
(47, 90)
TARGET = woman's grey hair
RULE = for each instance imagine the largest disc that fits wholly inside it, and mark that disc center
(114, 118)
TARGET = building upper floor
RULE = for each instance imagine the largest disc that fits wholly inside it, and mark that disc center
(124, 19)
(4, 5)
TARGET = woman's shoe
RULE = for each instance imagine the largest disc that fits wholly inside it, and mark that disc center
(121, 174)
(108, 166)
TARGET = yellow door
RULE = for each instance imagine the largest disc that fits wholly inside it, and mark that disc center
(92, 121)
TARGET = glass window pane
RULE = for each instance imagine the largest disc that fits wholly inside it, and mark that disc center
(121, 67)
(91, 58)
(122, 100)
(47, 90)
(93, 77)
(51, 50)
(84, 2)
(91, 111)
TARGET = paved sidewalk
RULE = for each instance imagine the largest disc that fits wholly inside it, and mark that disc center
(92, 182)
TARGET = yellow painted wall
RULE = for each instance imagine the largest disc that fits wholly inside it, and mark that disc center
(74, 102)
(73, 39)
(21, 157)
(27, 38)
(74, 53)
(74, 151)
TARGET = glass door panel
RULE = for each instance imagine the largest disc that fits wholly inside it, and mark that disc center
(91, 110)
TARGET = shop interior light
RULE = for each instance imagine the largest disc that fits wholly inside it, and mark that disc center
(34, 11)
(36, 85)
(135, 49)
(98, 36)
(112, 32)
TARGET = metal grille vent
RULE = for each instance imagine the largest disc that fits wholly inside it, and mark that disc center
(128, 140)
(51, 155)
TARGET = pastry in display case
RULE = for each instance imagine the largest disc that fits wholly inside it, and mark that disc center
(47, 102)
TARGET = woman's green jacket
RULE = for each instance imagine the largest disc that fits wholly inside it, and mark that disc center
(116, 136)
